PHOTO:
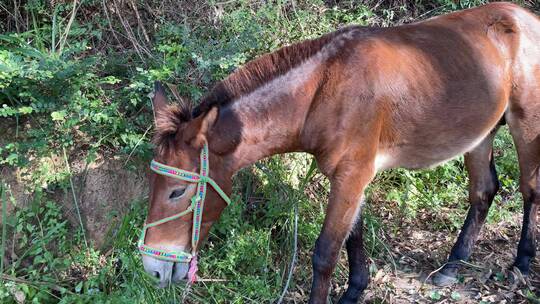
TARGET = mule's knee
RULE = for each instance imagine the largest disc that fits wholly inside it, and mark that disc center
(482, 194)
(322, 265)
(531, 194)
(484, 183)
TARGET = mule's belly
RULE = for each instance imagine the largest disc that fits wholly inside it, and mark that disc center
(420, 150)
(429, 132)
(423, 157)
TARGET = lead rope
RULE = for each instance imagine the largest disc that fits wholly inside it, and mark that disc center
(192, 272)
(309, 174)
(186, 292)
(294, 257)
(192, 277)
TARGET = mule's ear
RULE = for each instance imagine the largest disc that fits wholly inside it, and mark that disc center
(196, 131)
(159, 100)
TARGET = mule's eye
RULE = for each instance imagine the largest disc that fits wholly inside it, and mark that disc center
(177, 193)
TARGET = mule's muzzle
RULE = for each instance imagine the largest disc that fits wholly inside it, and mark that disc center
(165, 271)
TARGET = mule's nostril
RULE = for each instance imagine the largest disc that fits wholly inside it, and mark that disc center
(159, 269)
(179, 271)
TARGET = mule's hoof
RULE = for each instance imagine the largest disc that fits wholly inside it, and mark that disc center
(442, 280)
(517, 277)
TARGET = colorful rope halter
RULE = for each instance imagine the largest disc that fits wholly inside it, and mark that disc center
(196, 206)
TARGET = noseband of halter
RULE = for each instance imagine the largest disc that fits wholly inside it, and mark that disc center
(196, 206)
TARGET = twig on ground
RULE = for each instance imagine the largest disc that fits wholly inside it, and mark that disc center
(132, 39)
(294, 257)
(139, 21)
(137, 144)
(432, 273)
(309, 174)
(105, 9)
(452, 263)
(75, 198)
(63, 39)
(139, 48)
(212, 280)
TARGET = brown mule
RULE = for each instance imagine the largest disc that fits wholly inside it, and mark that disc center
(362, 100)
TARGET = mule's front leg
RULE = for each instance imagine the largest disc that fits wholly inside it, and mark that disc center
(341, 214)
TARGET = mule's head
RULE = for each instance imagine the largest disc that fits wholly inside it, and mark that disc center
(178, 142)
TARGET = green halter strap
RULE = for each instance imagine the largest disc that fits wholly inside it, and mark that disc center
(196, 206)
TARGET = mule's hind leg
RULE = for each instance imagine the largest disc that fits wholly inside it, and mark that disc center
(526, 133)
(358, 270)
(530, 189)
(483, 185)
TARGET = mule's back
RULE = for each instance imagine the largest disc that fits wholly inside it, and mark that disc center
(432, 90)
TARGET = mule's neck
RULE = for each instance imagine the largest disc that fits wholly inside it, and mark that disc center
(267, 121)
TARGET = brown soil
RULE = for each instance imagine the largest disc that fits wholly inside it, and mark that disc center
(401, 273)
(406, 280)
(104, 191)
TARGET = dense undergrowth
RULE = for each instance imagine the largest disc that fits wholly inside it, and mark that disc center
(73, 84)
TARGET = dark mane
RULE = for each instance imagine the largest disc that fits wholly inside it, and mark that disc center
(263, 69)
(243, 81)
